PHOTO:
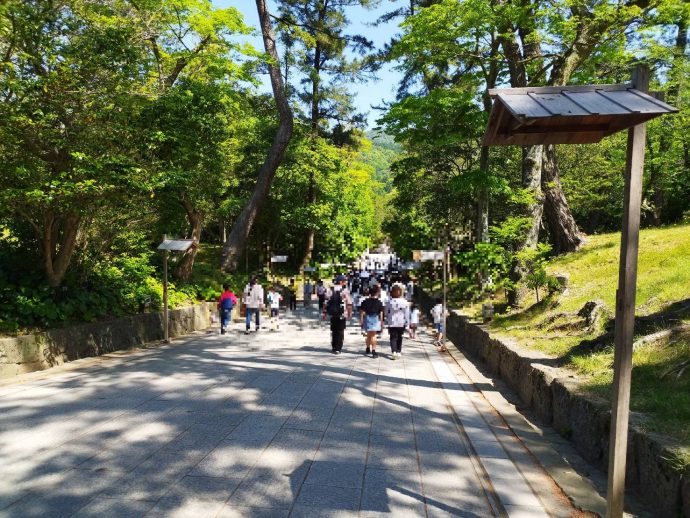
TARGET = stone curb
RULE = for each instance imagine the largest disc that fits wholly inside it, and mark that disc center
(40, 351)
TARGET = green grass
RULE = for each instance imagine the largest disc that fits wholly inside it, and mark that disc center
(663, 283)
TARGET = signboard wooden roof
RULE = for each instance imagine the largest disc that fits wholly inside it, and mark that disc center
(567, 114)
(176, 245)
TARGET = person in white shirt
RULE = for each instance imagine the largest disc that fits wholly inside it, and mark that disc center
(384, 296)
(253, 299)
(414, 321)
(438, 312)
(274, 299)
(398, 318)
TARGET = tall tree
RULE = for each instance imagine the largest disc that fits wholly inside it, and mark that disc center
(234, 246)
(75, 74)
(319, 26)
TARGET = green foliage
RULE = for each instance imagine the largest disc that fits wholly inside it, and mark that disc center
(533, 261)
(663, 278)
(125, 285)
(486, 269)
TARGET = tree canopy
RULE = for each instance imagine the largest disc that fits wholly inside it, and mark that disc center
(125, 120)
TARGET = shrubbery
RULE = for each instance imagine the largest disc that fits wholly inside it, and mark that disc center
(127, 284)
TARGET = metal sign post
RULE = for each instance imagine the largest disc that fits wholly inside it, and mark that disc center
(445, 294)
(437, 255)
(167, 246)
(166, 330)
(276, 259)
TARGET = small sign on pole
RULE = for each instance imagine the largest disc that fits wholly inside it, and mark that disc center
(437, 255)
(309, 269)
(167, 246)
(427, 255)
(279, 259)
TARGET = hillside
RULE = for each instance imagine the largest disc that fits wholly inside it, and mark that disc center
(661, 372)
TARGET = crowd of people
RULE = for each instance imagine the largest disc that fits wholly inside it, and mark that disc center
(378, 300)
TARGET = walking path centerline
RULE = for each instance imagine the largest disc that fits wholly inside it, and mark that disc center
(270, 424)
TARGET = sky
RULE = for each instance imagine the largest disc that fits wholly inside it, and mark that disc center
(373, 92)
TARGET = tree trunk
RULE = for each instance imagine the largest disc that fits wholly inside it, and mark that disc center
(309, 245)
(58, 240)
(196, 221)
(315, 118)
(565, 235)
(532, 162)
(234, 246)
(482, 216)
(532, 170)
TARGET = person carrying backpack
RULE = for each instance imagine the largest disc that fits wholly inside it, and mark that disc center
(225, 305)
(339, 309)
(398, 315)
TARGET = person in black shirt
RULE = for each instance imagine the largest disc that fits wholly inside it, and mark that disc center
(339, 317)
(371, 319)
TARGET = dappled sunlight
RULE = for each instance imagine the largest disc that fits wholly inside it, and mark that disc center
(224, 424)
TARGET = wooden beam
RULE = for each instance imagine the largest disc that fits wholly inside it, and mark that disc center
(625, 309)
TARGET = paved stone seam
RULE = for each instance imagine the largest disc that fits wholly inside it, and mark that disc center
(507, 481)
(229, 426)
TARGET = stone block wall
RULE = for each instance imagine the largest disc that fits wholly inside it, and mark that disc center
(40, 351)
(555, 396)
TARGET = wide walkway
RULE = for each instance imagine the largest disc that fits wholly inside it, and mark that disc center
(269, 424)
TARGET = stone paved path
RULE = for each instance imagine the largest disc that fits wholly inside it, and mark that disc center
(269, 424)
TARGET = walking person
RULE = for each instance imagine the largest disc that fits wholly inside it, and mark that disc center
(321, 294)
(414, 321)
(292, 289)
(437, 313)
(274, 299)
(307, 291)
(339, 308)
(409, 291)
(371, 319)
(398, 318)
(253, 299)
(226, 303)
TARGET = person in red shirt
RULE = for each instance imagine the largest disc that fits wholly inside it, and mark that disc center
(226, 303)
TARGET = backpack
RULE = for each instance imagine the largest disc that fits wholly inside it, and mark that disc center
(227, 304)
(334, 308)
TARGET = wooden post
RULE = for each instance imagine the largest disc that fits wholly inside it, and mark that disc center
(625, 309)
(166, 331)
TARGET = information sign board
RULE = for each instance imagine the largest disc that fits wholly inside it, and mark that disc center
(427, 255)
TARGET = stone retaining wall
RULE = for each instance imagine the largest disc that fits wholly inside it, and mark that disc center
(554, 395)
(55, 347)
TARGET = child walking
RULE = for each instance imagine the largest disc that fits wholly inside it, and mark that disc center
(274, 299)
(414, 321)
(226, 303)
(438, 312)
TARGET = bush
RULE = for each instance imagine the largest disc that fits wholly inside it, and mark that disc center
(127, 284)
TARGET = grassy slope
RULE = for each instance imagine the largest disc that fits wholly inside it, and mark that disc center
(663, 279)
